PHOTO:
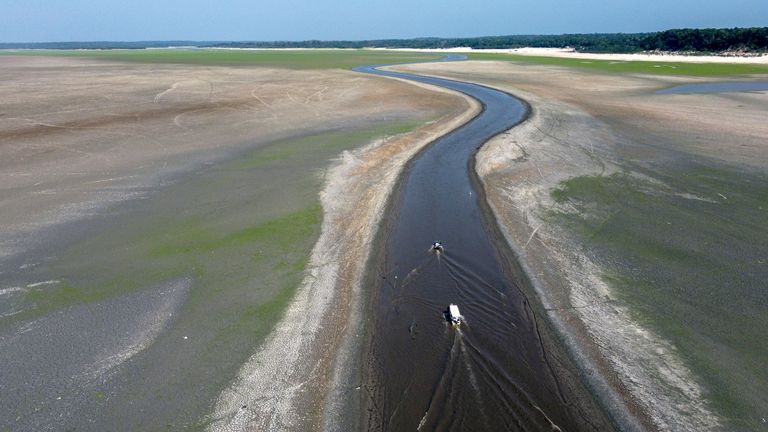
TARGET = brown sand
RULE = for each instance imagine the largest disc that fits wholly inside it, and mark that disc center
(79, 134)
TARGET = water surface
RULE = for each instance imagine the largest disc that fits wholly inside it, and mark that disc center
(492, 372)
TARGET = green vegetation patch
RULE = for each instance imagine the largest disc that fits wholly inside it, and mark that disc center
(289, 59)
(276, 235)
(687, 249)
(639, 67)
(330, 142)
(257, 214)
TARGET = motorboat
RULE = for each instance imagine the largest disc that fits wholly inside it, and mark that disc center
(454, 315)
(437, 247)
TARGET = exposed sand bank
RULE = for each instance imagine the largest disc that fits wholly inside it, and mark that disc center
(665, 57)
(115, 175)
(570, 53)
(79, 134)
(583, 301)
(285, 384)
(592, 124)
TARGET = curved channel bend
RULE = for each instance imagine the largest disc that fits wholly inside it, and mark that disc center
(492, 371)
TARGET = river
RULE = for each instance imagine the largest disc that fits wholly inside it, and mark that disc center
(493, 372)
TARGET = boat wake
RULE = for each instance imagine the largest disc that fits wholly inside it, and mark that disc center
(469, 366)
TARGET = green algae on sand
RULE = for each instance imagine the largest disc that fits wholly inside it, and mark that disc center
(635, 66)
(289, 59)
(687, 250)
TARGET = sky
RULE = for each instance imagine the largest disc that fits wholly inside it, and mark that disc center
(141, 20)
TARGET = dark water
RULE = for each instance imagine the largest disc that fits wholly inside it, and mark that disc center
(492, 373)
(720, 87)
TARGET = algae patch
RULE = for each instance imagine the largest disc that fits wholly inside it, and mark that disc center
(687, 250)
(634, 66)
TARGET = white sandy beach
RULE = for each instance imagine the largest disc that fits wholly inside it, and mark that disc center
(571, 53)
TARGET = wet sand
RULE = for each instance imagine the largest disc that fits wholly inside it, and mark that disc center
(589, 124)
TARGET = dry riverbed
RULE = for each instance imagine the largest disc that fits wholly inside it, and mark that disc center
(165, 229)
(157, 221)
(638, 217)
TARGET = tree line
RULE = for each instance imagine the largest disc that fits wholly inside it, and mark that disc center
(753, 40)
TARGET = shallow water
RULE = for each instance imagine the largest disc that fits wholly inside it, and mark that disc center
(492, 372)
(720, 87)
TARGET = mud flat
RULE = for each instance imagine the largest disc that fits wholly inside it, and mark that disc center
(634, 213)
(158, 219)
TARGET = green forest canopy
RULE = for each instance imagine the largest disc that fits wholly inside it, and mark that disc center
(747, 40)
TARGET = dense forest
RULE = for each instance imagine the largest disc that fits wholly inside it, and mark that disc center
(753, 39)
(585, 42)
(747, 40)
(694, 40)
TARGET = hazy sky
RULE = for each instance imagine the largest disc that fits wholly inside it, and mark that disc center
(86, 20)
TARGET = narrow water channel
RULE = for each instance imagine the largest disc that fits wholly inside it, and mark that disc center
(492, 372)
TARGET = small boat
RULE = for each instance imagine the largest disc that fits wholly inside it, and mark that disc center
(454, 315)
(437, 246)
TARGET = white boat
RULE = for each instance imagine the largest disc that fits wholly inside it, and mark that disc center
(437, 246)
(454, 314)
